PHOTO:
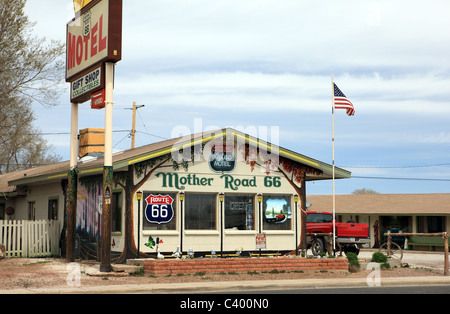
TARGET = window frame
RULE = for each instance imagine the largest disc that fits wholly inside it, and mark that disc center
(214, 211)
(118, 211)
(289, 221)
(254, 203)
(53, 212)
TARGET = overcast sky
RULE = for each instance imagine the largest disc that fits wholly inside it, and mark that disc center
(264, 63)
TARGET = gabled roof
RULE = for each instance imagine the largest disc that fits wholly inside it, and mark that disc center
(123, 159)
(384, 204)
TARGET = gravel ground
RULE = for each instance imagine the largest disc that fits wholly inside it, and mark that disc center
(16, 273)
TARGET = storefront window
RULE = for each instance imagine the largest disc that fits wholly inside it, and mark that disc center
(394, 224)
(200, 211)
(116, 212)
(435, 224)
(239, 211)
(277, 212)
(171, 225)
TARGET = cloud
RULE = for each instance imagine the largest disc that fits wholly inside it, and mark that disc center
(238, 90)
(412, 94)
(439, 138)
(293, 36)
(269, 63)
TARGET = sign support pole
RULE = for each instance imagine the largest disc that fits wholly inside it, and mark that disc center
(72, 188)
(105, 265)
(94, 45)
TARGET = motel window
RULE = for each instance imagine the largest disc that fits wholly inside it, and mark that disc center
(171, 225)
(277, 212)
(31, 211)
(53, 209)
(116, 211)
(239, 211)
(200, 211)
(435, 224)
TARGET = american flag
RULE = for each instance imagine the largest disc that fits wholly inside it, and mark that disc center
(341, 101)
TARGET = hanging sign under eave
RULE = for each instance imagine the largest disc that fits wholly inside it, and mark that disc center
(98, 100)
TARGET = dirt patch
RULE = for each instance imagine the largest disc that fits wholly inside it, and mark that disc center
(19, 273)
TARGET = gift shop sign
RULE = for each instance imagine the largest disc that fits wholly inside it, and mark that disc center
(91, 81)
(93, 37)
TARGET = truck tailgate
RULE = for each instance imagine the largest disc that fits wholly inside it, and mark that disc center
(354, 230)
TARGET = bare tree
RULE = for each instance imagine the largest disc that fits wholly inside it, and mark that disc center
(31, 69)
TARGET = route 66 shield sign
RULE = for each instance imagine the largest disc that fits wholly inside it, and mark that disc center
(159, 208)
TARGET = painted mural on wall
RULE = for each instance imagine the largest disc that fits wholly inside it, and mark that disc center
(88, 218)
(277, 210)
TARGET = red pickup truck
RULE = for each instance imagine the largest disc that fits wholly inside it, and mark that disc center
(350, 236)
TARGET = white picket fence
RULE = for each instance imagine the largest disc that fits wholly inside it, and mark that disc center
(24, 238)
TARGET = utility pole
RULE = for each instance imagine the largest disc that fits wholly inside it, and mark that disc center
(133, 130)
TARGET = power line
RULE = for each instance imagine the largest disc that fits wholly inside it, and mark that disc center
(396, 167)
(161, 137)
(128, 135)
(68, 133)
(398, 178)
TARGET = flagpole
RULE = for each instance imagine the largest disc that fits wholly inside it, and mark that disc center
(332, 141)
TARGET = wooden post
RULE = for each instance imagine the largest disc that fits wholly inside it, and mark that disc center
(445, 236)
(303, 210)
(389, 245)
(330, 244)
(296, 230)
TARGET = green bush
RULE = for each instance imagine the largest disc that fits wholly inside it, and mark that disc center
(353, 263)
(379, 257)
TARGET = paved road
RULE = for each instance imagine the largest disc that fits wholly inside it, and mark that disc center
(439, 289)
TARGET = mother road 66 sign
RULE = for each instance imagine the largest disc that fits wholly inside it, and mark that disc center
(159, 208)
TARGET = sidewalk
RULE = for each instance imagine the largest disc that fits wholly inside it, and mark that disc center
(233, 286)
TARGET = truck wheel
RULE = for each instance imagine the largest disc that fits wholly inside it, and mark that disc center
(317, 247)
